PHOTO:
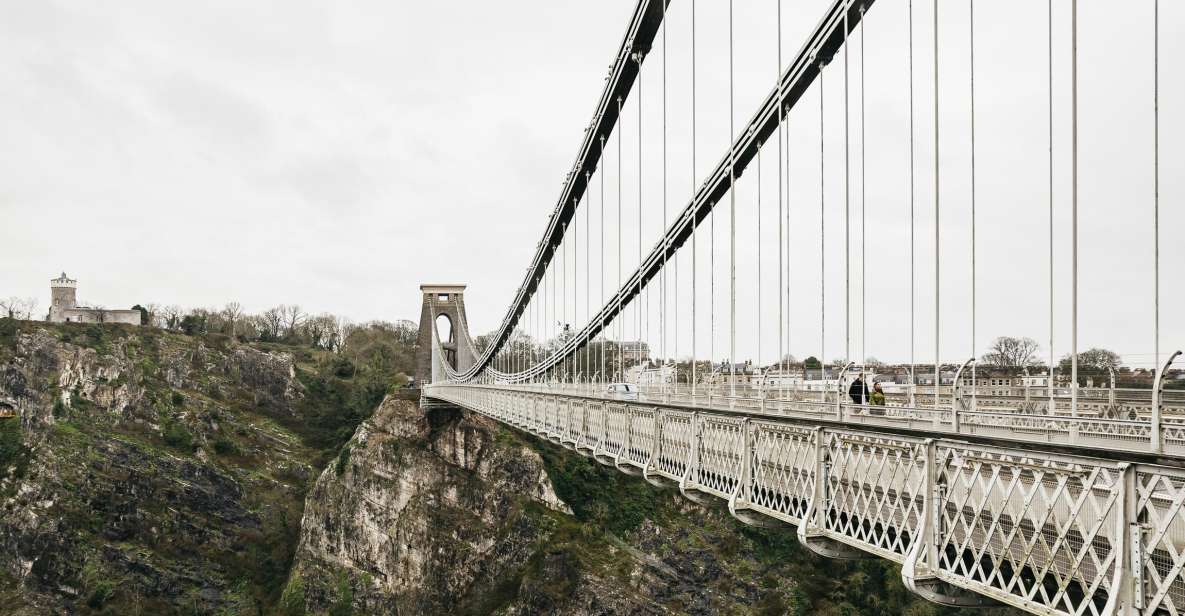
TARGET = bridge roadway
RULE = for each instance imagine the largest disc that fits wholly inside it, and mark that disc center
(1053, 515)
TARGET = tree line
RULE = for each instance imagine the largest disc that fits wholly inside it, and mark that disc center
(285, 323)
(19, 308)
(384, 348)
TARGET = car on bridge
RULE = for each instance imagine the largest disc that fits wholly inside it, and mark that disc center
(622, 391)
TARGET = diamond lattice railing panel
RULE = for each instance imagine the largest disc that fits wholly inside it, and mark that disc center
(721, 452)
(516, 413)
(538, 423)
(555, 422)
(675, 445)
(594, 424)
(617, 421)
(874, 487)
(549, 414)
(641, 436)
(1037, 531)
(558, 412)
(1159, 510)
(571, 421)
(783, 470)
(576, 420)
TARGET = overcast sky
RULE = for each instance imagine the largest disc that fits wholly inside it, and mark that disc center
(337, 155)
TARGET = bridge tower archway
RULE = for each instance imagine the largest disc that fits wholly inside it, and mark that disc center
(443, 311)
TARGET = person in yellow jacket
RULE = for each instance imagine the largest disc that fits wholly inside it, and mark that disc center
(878, 397)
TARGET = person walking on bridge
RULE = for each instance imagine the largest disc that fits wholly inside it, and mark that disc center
(858, 391)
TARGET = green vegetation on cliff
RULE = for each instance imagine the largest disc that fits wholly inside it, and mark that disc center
(155, 472)
(760, 571)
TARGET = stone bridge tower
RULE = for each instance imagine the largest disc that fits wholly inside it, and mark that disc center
(443, 303)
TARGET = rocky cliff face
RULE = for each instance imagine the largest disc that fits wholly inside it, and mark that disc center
(420, 512)
(443, 511)
(145, 472)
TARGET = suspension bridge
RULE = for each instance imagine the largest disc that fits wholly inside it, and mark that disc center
(1052, 495)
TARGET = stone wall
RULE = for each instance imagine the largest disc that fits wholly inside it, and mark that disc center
(92, 315)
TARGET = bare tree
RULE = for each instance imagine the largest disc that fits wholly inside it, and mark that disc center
(1009, 352)
(232, 312)
(153, 310)
(342, 330)
(170, 316)
(271, 322)
(293, 317)
(18, 308)
(320, 331)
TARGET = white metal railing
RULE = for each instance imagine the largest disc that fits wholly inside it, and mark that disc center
(1084, 430)
(1049, 533)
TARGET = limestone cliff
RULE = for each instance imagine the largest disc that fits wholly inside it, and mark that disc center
(143, 472)
(442, 512)
(421, 510)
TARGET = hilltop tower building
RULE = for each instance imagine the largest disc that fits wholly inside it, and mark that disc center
(64, 308)
(63, 294)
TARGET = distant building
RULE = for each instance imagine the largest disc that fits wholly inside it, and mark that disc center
(927, 378)
(821, 374)
(64, 308)
(1039, 380)
(726, 373)
(775, 377)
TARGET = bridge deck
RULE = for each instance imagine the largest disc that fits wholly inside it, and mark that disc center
(1092, 435)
